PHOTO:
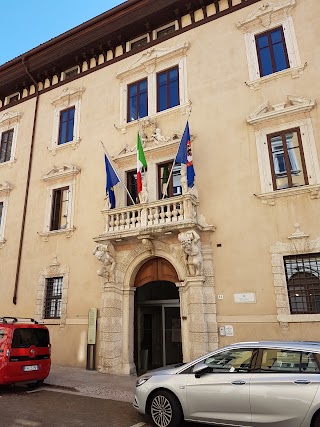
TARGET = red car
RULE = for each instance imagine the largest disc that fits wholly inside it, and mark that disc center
(24, 351)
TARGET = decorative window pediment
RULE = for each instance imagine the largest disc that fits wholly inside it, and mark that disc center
(9, 119)
(152, 57)
(290, 107)
(67, 96)
(266, 14)
(58, 172)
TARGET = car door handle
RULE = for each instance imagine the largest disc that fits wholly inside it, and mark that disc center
(302, 382)
(239, 382)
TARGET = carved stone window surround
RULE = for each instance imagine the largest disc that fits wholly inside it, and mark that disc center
(10, 120)
(53, 270)
(5, 189)
(294, 112)
(299, 243)
(70, 97)
(58, 177)
(267, 17)
(148, 64)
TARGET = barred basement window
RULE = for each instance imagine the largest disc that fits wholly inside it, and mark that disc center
(303, 282)
(52, 306)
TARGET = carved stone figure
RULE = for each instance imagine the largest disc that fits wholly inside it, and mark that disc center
(144, 194)
(191, 245)
(105, 254)
(158, 137)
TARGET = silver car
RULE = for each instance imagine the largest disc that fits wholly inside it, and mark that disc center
(267, 384)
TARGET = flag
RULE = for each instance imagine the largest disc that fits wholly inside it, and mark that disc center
(112, 180)
(141, 163)
(184, 155)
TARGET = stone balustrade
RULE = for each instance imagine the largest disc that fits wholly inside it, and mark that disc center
(165, 213)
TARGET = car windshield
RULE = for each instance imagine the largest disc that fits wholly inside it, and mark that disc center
(25, 337)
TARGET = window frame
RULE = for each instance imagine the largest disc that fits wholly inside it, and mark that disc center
(62, 139)
(138, 99)
(147, 66)
(269, 18)
(12, 98)
(9, 131)
(129, 174)
(160, 165)
(168, 88)
(5, 190)
(272, 55)
(10, 121)
(287, 157)
(259, 369)
(56, 298)
(56, 208)
(69, 98)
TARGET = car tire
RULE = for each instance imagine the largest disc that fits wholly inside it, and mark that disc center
(165, 409)
(316, 421)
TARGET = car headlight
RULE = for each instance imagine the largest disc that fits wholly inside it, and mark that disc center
(142, 380)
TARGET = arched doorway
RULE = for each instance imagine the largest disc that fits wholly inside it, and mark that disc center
(157, 316)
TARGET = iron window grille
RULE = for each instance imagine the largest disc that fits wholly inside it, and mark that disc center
(303, 283)
(6, 145)
(66, 125)
(52, 306)
(272, 51)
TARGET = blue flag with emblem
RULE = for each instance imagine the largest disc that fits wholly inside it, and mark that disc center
(112, 180)
(184, 155)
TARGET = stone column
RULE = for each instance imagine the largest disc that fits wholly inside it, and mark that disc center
(128, 366)
(111, 328)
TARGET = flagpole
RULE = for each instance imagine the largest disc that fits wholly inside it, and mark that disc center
(174, 162)
(106, 153)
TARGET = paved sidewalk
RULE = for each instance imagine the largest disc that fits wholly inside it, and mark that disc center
(92, 383)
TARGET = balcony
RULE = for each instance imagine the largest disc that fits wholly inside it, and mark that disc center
(160, 216)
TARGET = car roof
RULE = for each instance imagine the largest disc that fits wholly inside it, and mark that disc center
(310, 346)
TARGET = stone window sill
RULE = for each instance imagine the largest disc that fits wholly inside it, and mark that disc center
(72, 144)
(68, 232)
(295, 72)
(270, 198)
(298, 318)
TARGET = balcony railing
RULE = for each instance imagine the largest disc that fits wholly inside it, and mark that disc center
(165, 213)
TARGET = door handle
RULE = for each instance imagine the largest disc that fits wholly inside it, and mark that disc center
(239, 382)
(302, 382)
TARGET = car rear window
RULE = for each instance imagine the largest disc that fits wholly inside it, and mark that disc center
(25, 337)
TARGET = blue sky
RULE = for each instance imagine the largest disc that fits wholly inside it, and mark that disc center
(26, 24)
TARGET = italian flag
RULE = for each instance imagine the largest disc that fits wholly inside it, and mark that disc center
(141, 163)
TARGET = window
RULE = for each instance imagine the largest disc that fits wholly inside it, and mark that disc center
(12, 98)
(303, 283)
(71, 72)
(66, 125)
(52, 306)
(237, 360)
(271, 44)
(287, 160)
(165, 31)
(167, 89)
(26, 337)
(5, 189)
(60, 205)
(138, 43)
(272, 52)
(66, 120)
(283, 361)
(6, 145)
(173, 188)
(137, 100)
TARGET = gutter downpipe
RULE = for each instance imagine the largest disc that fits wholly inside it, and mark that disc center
(14, 300)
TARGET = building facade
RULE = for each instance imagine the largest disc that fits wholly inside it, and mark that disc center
(178, 271)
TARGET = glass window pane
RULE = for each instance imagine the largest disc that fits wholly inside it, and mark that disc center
(162, 98)
(133, 89)
(237, 360)
(280, 57)
(162, 78)
(174, 94)
(266, 62)
(263, 41)
(276, 36)
(143, 105)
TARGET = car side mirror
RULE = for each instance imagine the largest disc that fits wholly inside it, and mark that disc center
(199, 369)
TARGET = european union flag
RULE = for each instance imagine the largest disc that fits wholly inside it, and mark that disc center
(184, 155)
(112, 180)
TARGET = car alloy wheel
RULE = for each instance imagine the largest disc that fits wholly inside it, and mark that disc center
(165, 410)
